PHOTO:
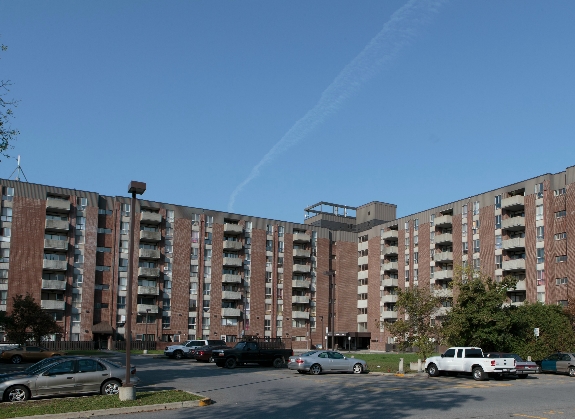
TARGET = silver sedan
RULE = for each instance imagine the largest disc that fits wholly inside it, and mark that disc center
(64, 375)
(316, 362)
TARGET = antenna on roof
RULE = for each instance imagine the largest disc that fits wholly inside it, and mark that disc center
(18, 171)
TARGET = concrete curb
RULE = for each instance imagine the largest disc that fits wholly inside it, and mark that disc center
(123, 410)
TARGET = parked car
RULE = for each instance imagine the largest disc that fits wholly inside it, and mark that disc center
(254, 351)
(64, 375)
(317, 362)
(560, 362)
(524, 368)
(471, 361)
(28, 354)
(205, 353)
(183, 350)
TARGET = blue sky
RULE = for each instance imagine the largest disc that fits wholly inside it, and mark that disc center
(189, 96)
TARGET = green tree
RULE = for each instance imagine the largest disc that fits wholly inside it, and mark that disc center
(417, 329)
(555, 332)
(479, 316)
(7, 133)
(28, 321)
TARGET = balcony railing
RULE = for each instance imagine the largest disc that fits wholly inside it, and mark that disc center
(444, 220)
(298, 299)
(149, 272)
(232, 261)
(513, 202)
(301, 253)
(444, 238)
(149, 254)
(389, 234)
(50, 284)
(231, 279)
(389, 282)
(232, 245)
(390, 250)
(515, 243)
(55, 244)
(150, 218)
(389, 298)
(386, 315)
(233, 228)
(443, 292)
(150, 236)
(444, 257)
(52, 305)
(231, 312)
(514, 265)
(57, 225)
(445, 274)
(513, 223)
(145, 290)
(302, 268)
(442, 311)
(389, 266)
(301, 237)
(231, 295)
(298, 283)
(300, 314)
(57, 205)
(55, 265)
(147, 308)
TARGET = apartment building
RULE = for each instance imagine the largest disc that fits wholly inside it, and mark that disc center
(204, 273)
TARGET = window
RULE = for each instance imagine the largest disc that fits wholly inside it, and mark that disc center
(560, 191)
(281, 231)
(431, 254)
(415, 240)
(268, 292)
(416, 224)
(416, 257)
(561, 236)
(194, 271)
(560, 214)
(415, 274)
(8, 193)
(476, 225)
(406, 276)
(464, 229)
(207, 288)
(539, 190)
(540, 276)
(209, 220)
(207, 254)
(104, 230)
(407, 242)
(125, 208)
(476, 208)
(540, 233)
(465, 247)
(498, 261)
(431, 271)
(476, 264)
(280, 247)
(170, 216)
(124, 228)
(497, 222)
(432, 220)
(464, 210)
(539, 212)
(166, 322)
(208, 238)
(498, 242)
(476, 246)
(559, 259)
(122, 283)
(560, 281)
(406, 225)
(269, 229)
(562, 303)
(269, 245)
(267, 325)
(432, 237)
(497, 201)
(541, 297)
(121, 302)
(540, 255)
(6, 214)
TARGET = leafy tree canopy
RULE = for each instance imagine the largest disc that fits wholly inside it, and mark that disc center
(28, 321)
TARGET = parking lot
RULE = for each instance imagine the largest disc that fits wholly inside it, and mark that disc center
(281, 393)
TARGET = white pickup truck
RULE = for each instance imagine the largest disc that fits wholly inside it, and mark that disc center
(469, 360)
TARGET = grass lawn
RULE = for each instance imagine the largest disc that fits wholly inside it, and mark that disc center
(386, 362)
(79, 404)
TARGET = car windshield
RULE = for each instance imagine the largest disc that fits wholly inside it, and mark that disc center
(308, 353)
(240, 345)
(38, 366)
(514, 356)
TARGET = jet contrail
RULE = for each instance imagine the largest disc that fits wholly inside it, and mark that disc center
(396, 33)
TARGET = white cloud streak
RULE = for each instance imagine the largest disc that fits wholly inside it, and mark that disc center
(397, 32)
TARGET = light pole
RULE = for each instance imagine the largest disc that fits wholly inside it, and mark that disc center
(135, 188)
(146, 331)
(322, 338)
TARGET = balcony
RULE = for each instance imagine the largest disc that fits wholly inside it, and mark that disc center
(443, 292)
(232, 261)
(231, 295)
(442, 275)
(298, 283)
(390, 250)
(442, 311)
(389, 315)
(513, 223)
(231, 279)
(150, 218)
(389, 234)
(149, 272)
(52, 305)
(300, 314)
(519, 287)
(301, 237)
(389, 266)
(57, 205)
(302, 268)
(389, 282)
(147, 308)
(444, 238)
(444, 220)
(444, 257)
(49, 284)
(232, 245)
(389, 298)
(150, 236)
(513, 202)
(57, 225)
(516, 243)
(148, 290)
(300, 299)
(514, 265)
(55, 265)
(231, 312)
(301, 253)
(149, 254)
(55, 244)
(233, 229)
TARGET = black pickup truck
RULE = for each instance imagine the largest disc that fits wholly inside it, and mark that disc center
(269, 353)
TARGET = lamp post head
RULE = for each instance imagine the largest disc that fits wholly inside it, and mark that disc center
(137, 187)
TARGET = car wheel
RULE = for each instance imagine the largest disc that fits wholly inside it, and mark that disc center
(16, 359)
(17, 394)
(478, 374)
(178, 354)
(211, 359)
(278, 363)
(571, 371)
(315, 369)
(432, 370)
(231, 363)
(357, 369)
(110, 388)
